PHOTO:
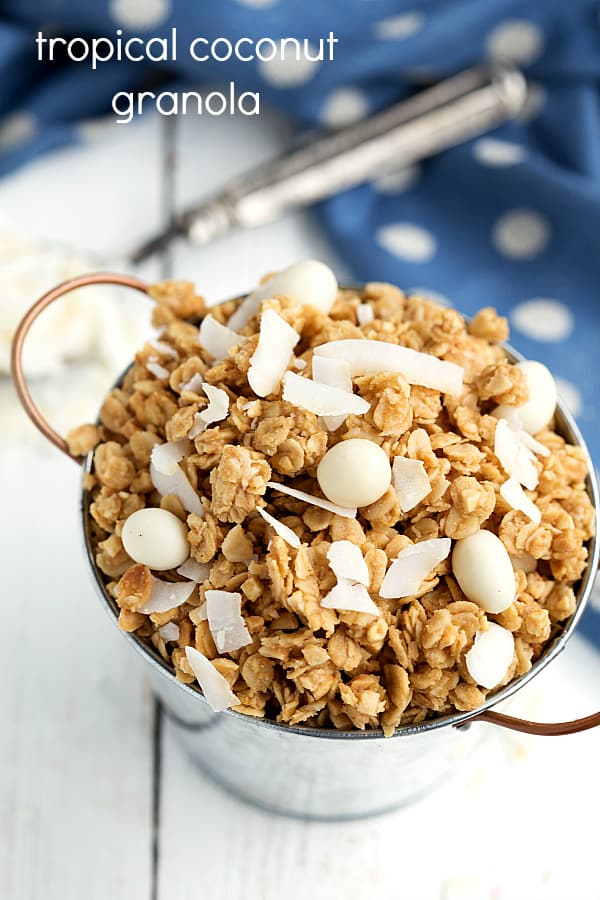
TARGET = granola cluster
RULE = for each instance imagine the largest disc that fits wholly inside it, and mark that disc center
(307, 663)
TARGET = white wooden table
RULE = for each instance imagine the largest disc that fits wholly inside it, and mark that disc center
(96, 799)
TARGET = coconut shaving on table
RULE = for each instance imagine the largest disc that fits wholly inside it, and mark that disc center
(88, 338)
(335, 507)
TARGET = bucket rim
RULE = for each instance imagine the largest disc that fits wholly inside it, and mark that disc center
(565, 426)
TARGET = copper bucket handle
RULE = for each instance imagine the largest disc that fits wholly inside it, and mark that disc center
(27, 321)
(549, 729)
(130, 281)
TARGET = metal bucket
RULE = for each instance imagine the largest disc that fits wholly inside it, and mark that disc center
(308, 772)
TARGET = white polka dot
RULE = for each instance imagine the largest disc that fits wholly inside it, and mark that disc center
(543, 319)
(521, 234)
(139, 13)
(535, 102)
(397, 27)
(290, 67)
(570, 395)
(429, 294)
(492, 152)
(257, 4)
(344, 106)
(515, 40)
(16, 129)
(407, 241)
(398, 182)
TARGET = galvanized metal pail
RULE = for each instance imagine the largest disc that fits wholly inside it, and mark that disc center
(307, 772)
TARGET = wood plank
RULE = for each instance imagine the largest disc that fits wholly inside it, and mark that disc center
(76, 755)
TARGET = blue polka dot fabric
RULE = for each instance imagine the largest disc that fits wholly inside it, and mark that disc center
(511, 219)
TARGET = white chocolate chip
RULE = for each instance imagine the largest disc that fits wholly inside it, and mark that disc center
(484, 572)
(353, 473)
(539, 409)
(155, 538)
(309, 282)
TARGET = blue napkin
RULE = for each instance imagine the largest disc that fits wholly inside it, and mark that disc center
(510, 220)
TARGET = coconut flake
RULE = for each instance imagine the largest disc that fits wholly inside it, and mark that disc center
(332, 371)
(516, 498)
(346, 512)
(194, 384)
(411, 482)
(198, 614)
(248, 308)
(513, 417)
(169, 632)
(157, 370)
(352, 573)
(165, 349)
(412, 566)
(165, 456)
(216, 411)
(177, 484)
(335, 373)
(300, 365)
(194, 570)
(364, 313)
(525, 563)
(289, 536)
(215, 687)
(535, 446)
(166, 595)
(276, 340)
(218, 404)
(225, 620)
(320, 398)
(347, 562)
(167, 476)
(506, 445)
(218, 339)
(489, 658)
(351, 596)
(515, 458)
(368, 357)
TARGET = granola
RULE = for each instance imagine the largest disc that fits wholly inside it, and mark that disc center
(306, 663)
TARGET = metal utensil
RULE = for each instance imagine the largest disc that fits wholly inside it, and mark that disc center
(449, 113)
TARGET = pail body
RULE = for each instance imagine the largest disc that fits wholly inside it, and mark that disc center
(313, 774)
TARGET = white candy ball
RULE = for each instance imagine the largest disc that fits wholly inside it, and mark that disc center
(490, 656)
(354, 473)
(539, 409)
(484, 572)
(309, 282)
(155, 538)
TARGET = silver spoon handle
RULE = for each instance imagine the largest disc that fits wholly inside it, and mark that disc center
(449, 113)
